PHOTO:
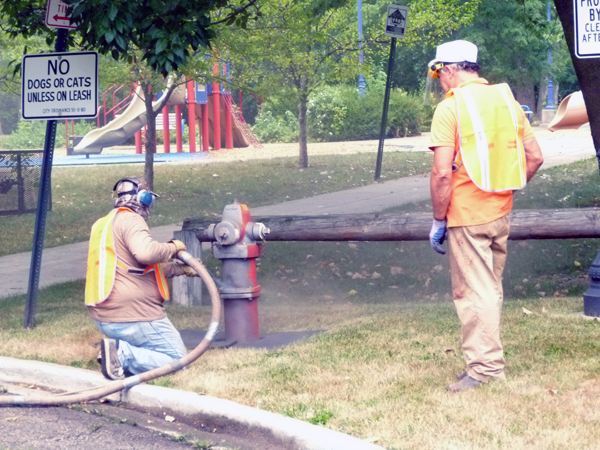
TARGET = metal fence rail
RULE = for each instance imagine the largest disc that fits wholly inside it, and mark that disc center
(20, 174)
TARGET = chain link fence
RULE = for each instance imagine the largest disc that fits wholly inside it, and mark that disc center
(20, 175)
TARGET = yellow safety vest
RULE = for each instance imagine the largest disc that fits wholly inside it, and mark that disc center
(490, 136)
(103, 261)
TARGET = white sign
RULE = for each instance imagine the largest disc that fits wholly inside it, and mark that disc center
(395, 21)
(586, 14)
(56, 15)
(60, 85)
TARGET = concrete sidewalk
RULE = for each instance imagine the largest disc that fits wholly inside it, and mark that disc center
(68, 262)
(289, 433)
(562, 147)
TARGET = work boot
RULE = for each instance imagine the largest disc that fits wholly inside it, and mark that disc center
(466, 383)
(111, 366)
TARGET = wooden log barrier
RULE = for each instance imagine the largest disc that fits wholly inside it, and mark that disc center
(569, 223)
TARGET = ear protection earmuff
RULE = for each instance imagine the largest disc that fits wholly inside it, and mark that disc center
(144, 197)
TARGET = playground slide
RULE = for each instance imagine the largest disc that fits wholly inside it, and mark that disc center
(571, 113)
(239, 139)
(125, 125)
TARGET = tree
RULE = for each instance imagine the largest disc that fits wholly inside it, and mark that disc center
(294, 47)
(161, 35)
(10, 87)
(587, 70)
(514, 37)
(291, 49)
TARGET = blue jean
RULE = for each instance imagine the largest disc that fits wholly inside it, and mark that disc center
(144, 346)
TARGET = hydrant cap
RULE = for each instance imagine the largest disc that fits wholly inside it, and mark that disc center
(227, 233)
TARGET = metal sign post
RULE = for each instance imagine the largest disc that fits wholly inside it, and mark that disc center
(42, 208)
(395, 27)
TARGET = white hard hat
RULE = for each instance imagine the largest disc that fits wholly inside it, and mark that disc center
(455, 52)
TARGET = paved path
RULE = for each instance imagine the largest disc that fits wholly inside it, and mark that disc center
(68, 263)
(562, 147)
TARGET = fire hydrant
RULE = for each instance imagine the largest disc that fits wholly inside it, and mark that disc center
(235, 244)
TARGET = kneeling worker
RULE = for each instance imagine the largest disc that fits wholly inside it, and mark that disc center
(126, 286)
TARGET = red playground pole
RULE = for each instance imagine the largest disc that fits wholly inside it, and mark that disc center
(191, 115)
(228, 133)
(166, 133)
(216, 95)
(138, 142)
(178, 132)
(205, 131)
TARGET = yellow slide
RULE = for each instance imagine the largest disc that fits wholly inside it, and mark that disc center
(571, 113)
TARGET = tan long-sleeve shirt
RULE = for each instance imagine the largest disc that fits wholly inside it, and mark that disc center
(135, 298)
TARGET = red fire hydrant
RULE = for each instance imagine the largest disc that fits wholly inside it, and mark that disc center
(236, 246)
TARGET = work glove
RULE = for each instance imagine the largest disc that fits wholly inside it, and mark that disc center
(188, 271)
(179, 246)
(437, 235)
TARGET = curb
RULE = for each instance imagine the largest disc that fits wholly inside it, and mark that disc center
(294, 434)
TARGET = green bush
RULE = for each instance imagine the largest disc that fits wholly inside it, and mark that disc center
(270, 128)
(327, 114)
(32, 135)
(338, 113)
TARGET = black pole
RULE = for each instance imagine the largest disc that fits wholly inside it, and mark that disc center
(386, 103)
(42, 207)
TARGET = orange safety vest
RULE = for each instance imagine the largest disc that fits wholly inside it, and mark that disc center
(103, 261)
(490, 136)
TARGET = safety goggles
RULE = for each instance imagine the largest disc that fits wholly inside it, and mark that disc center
(434, 69)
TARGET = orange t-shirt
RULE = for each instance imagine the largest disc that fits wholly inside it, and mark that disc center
(469, 205)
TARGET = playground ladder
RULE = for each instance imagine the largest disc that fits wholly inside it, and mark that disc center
(241, 123)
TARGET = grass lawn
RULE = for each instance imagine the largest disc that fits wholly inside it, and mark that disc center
(81, 195)
(378, 371)
(391, 339)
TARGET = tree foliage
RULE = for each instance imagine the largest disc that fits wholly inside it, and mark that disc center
(291, 48)
(155, 37)
(514, 37)
(166, 32)
(294, 47)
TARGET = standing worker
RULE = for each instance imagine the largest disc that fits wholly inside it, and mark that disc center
(484, 149)
(126, 286)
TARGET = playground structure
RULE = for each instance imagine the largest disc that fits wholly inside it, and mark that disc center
(209, 106)
(571, 113)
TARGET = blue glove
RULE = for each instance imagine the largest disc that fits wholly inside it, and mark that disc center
(437, 235)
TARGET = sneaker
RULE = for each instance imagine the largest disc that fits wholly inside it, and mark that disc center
(461, 376)
(111, 366)
(464, 384)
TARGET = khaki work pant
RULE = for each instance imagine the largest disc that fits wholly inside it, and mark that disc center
(477, 259)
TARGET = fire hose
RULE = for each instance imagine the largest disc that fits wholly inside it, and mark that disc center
(119, 385)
